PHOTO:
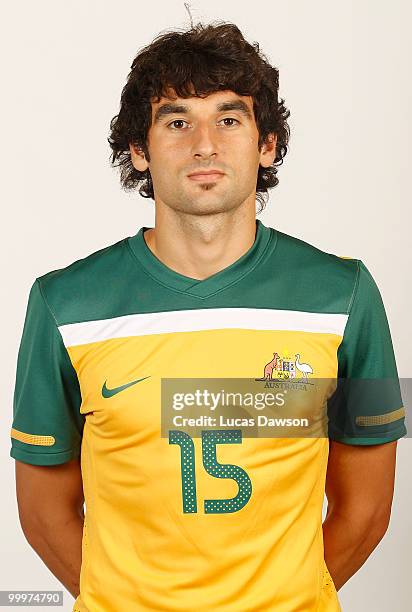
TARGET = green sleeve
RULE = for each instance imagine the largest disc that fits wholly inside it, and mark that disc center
(367, 406)
(47, 424)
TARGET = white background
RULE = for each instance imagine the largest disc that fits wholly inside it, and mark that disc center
(344, 185)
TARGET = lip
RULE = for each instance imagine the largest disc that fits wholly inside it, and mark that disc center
(206, 176)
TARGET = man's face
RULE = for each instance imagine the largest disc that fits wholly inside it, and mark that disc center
(192, 134)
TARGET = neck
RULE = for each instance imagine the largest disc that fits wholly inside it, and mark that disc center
(199, 246)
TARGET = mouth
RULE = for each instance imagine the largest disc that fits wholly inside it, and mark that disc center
(206, 177)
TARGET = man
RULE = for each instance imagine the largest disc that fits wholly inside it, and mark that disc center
(176, 522)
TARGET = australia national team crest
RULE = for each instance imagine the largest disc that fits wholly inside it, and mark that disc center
(287, 368)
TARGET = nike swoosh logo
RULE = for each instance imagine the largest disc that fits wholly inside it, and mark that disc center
(110, 392)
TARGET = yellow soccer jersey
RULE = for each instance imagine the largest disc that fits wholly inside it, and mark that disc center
(221, 522)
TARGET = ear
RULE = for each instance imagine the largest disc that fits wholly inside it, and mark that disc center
(138, 158)
(268, 151)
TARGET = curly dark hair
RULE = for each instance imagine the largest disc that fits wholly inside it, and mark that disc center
(198, 61)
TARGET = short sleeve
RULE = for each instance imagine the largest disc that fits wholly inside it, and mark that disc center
(47, 424)
(367, 406)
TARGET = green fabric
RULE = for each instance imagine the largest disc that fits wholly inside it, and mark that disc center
(47, 395)
(368, 378)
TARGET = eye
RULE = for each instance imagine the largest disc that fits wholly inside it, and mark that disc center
(175, 121)
(230, 119)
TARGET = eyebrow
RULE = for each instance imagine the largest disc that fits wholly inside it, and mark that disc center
(181, 109)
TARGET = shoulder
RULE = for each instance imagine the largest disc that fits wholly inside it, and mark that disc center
(315, 272)
(298, 251)
(82, 285)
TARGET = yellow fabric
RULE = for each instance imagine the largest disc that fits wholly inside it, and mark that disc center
(138, 545)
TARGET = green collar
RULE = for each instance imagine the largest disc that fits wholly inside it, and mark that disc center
(264, 237)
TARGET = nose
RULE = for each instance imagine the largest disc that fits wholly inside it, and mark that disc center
(204, 141)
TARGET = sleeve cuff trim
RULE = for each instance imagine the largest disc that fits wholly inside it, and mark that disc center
(44, 458)
(389, 437)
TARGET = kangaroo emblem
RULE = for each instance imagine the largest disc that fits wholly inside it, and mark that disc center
(269, 367)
